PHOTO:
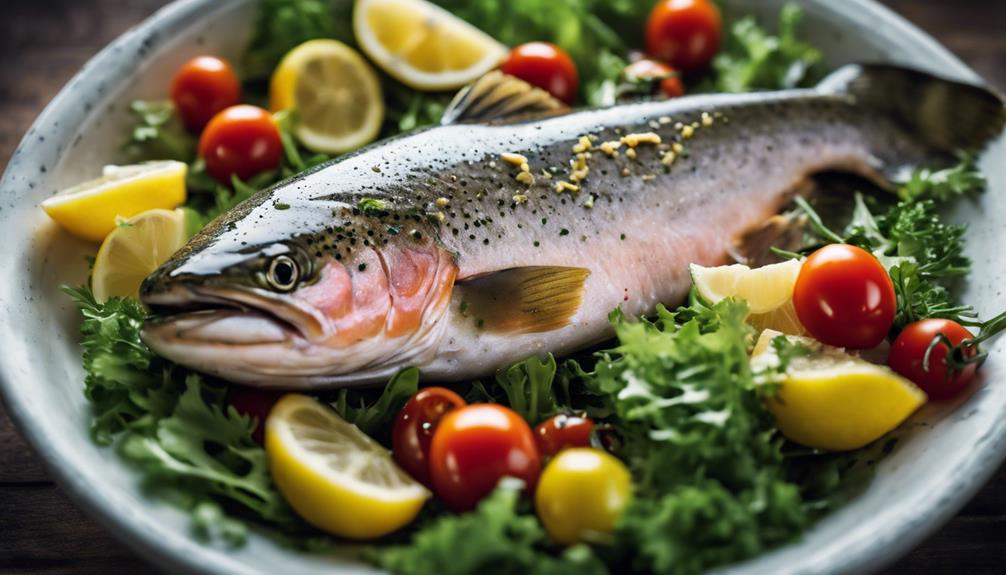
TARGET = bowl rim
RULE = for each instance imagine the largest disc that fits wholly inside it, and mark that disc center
(153, 547)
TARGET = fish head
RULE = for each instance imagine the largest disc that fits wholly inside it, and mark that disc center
(302, 294)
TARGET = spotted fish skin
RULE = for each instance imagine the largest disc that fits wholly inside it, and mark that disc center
(390, 242)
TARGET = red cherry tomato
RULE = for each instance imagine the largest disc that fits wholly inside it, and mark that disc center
(414, 427)
(202, 87)
(241, 140)
(476, 446)
(648, 70)
(684, 33)
(561, 431)
(256, 403)
(844, 297)
(544, 65)
(935, 378)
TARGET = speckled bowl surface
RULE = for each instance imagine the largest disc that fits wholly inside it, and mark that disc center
(946, 454)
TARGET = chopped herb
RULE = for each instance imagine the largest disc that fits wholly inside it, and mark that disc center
(563, 232)
(281, 206)
(362, 267)
(372, 206)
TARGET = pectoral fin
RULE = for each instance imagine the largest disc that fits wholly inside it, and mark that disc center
(531, 299)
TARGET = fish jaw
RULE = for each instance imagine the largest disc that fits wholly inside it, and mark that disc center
(358, 323)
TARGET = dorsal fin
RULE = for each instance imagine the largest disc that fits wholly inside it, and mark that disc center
(530, 299)
(498, 96)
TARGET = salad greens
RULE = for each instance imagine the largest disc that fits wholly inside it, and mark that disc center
(679, 394)
(501, 536)
(711, 484)
(712, 481)
(175, 425)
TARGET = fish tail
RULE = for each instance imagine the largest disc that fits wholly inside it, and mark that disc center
(944, 114)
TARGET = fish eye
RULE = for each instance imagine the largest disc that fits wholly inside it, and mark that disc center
(283, 273)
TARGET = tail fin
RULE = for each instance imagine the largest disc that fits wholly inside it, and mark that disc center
(945, 114)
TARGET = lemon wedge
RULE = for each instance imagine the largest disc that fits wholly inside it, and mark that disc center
(335, 93)
(422, 45)
(333, 475)
(90, 210)
(134, 249)
(765, 288)
(835, 401)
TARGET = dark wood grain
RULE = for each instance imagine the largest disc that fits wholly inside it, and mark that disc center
(44, 42)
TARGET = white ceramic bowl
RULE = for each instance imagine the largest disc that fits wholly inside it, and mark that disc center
(929, 476)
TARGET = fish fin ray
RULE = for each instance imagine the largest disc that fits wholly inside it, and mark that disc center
(945, 114)
(498, 96)
(531, 299)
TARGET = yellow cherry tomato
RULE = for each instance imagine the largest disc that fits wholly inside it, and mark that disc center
(581, 494)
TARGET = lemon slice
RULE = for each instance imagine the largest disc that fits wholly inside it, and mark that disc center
(765, 288)
(422, 45)
(334, 476)
(90, 210)
(335, 93)
(134, 249)
(835, 401)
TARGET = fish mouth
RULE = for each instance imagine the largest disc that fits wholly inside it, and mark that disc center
(199, 314)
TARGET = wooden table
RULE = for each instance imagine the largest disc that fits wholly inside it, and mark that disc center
(44, 42)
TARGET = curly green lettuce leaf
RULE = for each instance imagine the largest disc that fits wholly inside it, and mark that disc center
(374, 416)
(194, 449)
(500, 536)
(686, 399)
(128, 386)
(528, 388)
(205, 448)
(711, 480)
(695, 526)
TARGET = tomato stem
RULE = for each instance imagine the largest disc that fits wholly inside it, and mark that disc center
(968, 351)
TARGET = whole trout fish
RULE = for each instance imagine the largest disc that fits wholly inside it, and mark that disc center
(515, 229)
